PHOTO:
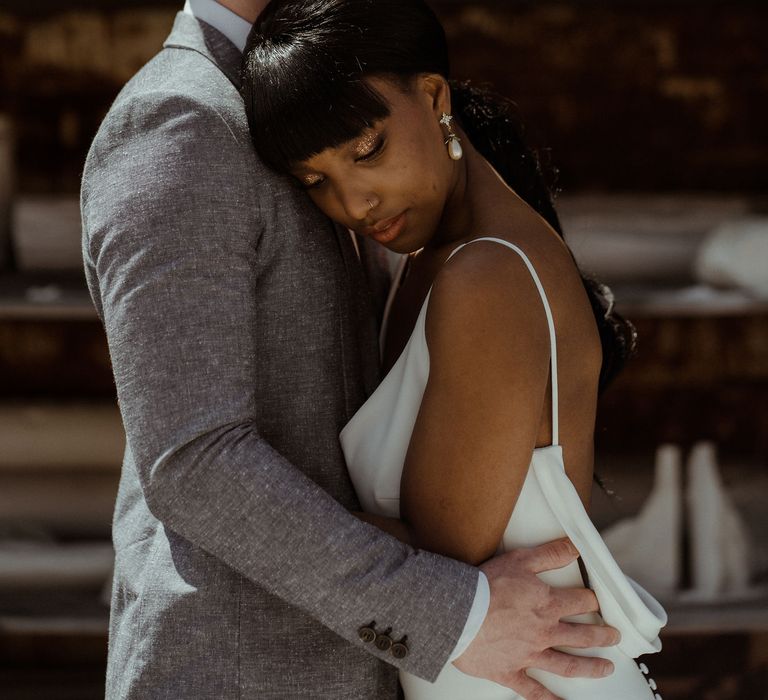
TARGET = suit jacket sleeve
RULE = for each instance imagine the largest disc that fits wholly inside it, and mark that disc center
(175, 296)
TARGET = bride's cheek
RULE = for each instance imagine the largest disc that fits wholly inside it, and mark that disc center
(325, 204)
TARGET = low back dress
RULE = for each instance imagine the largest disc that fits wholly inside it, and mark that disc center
(375, 442)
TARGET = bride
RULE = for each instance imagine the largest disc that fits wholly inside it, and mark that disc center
(480, 437)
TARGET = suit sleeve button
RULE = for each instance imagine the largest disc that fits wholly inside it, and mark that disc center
(367, 633)
(400, 649)
(384, 641)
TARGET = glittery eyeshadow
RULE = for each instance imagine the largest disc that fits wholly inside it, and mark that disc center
(366, 143)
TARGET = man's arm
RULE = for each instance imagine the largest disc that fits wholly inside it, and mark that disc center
(171, 257)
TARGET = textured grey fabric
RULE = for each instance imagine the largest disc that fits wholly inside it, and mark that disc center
(242, 339)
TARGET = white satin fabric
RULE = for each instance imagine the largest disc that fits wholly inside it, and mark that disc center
(375, 442)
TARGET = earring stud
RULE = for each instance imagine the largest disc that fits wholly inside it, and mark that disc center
(453, 142)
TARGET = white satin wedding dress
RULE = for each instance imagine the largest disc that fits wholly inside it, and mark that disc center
(375, 442)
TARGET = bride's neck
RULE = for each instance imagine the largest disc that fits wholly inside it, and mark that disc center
(467, 203)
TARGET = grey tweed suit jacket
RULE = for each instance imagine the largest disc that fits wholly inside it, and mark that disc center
(242, 339)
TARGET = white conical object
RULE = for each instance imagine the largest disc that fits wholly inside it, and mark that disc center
(718, 541)
(648, 546)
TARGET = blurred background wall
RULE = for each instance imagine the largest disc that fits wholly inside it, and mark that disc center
(653, 113)
(630, 94)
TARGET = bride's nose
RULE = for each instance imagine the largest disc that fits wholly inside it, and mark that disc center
(357, 202)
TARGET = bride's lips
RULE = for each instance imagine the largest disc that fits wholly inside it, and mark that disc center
(386, 230)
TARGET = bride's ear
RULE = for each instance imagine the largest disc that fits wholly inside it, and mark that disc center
(436, 88)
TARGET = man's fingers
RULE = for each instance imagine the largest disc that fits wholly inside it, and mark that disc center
(580, 636)
(530, 689)
(575, 601)
(552, 555)
(572, 666)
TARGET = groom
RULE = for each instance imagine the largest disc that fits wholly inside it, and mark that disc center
(242, 337)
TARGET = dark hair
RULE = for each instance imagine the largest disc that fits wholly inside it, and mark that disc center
(304, 88)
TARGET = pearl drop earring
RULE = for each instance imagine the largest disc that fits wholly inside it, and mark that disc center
(453, 142)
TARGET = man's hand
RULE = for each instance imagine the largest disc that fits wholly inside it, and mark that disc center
(523, 624)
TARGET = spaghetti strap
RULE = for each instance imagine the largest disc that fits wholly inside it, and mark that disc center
(550, 324)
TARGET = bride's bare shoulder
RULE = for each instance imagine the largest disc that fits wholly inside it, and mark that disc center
(488, 270)
(485, 294)
(486, 287)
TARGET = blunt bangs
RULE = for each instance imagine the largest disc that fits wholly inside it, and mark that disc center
(295, 115)
(306, 62)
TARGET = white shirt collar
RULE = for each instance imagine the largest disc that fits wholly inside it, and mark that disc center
(232, 26)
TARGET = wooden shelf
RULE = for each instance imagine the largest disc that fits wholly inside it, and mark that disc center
(694, 300)
(65, 311)
(747, 617)
(64, 626)
(45, 296)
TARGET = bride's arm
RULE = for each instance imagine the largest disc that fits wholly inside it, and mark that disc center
(479, 418)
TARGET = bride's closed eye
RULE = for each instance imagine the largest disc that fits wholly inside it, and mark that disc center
(308, 183)
(374, 152)
(311, 182)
